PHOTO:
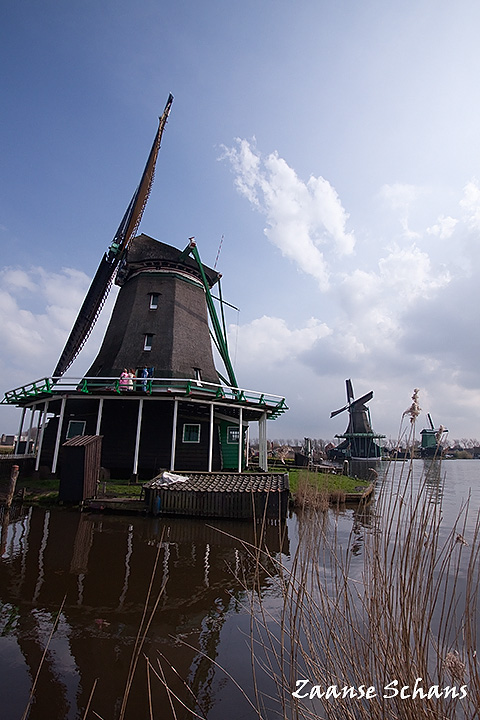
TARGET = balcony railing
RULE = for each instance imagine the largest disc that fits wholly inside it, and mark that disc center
(51, 386)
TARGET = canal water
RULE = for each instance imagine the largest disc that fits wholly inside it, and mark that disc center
(173, 593)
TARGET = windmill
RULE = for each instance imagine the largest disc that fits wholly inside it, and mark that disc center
(175, 410)
(432, 437)
(358, 439)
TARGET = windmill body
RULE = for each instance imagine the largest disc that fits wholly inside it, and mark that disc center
(359, 439)
(160, 318)
(174, 409)
(431, 439)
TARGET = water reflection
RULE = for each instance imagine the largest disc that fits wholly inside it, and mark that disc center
(103, 565)
(434, 476)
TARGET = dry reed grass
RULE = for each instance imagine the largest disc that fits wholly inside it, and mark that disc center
(309, 495)
(410, 613)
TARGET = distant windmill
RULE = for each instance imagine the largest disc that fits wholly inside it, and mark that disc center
(358, 439)
(432, 438)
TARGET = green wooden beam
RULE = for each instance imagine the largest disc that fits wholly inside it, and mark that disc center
(221, 340)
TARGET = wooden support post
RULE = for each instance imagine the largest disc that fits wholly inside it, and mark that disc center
(42, 432)
(137, 441)
(29, 436)
(12, 486)
(59, 435)
(174, 436)
(99, 416)
(262, 443)
(210, 440)
(240, 440)
(20, 430)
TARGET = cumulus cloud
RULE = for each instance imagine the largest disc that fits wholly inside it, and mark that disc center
(443, 228)
(375, 301)
(270, 341)
(15, 278)
(305, 220)
(392, 309)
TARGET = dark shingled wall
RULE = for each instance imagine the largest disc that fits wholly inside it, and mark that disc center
(179, 325)
(118, 428)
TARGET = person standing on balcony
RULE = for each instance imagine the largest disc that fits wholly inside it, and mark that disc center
(124, 379)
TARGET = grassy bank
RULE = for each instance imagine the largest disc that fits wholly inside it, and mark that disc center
(324, 481)
(45, 492)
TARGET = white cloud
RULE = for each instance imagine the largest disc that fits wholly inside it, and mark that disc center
(401, 197)
(443, 228)
(470, 204)
(16, 278)
(306, 221)
(406, 273)
(375, 302)
(269, 340)
(385, 306)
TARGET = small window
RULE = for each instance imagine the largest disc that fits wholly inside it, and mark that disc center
(233, 434)
(153, 301)
(191, 433)
(75, 427)
(147, 345)
(197, 373)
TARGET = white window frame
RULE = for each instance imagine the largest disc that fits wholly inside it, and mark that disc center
(148, 341)
(231, 428)
(154, 300)
(191, 425)
(83, 423)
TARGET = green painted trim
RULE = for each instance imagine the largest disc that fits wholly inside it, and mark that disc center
(221, 339)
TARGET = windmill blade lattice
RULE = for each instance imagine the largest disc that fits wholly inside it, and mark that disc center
(102, 281)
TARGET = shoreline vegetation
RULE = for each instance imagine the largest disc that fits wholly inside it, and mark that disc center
(306, 487)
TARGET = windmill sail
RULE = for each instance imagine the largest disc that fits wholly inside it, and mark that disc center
(102, 281)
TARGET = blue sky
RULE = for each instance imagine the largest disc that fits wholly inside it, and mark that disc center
(334, 145)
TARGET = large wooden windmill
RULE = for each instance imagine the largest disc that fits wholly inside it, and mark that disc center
(358, 440)
(178, 411)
